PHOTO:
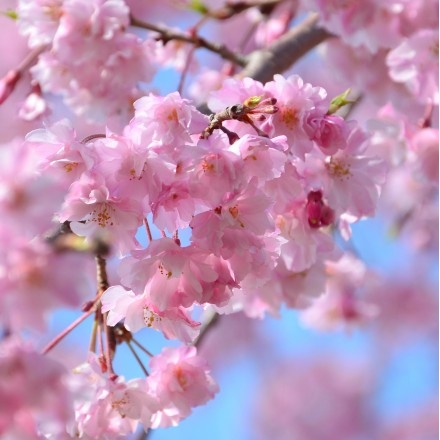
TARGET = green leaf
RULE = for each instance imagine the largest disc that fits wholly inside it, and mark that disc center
(198, 6)
(253, 101)
(339, 101)
(11, 14)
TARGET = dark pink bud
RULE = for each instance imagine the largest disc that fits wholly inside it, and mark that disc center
(318, 213)
(8, 83)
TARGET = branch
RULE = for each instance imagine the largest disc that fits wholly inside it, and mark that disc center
(211, 318)
(263, 64)
(167, 34)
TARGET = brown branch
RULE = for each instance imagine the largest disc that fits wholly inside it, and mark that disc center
(210, 320)
(263, 64)
(67, 330)
(167, 34)
(230, 10)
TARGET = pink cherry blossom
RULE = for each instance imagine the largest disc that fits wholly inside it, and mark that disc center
(215, 172)
(86, 36)
(415, 64)
(59, 152)
(341, 304)
(372, 24)
(318, 213)
(93, 211)
(262, 158)
(330, 132)
(207, 81)
(136, 173)
(275, 25)
(300, 244)
(39, 20)
(174, 276)
(296, 101)
(299, 288)
(180, 380)
(137, 312)
(425, 144)
(106, 408)
(22, 205)
(174, 207)
(236, 91)
(164, 123)
(23, 408)
(352, 178)
(35, 280)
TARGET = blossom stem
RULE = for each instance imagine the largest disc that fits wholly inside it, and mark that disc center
(147, 227)
(110, 346)
(11, 79)
(210, 320)
(142, 347)
(185, 70)
(92, 137)
(92, 344)
(138, 359)
(66, 331)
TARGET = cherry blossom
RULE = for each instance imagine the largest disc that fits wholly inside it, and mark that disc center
(180, 380)
(23, 374)
(415, 63)
(106, 408)
(137, 312)
(296, 100)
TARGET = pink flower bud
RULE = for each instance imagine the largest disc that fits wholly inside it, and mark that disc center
(8, 83)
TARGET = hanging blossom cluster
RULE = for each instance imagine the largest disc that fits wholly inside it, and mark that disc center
(85, 54)
(261, 188)
(261, 211)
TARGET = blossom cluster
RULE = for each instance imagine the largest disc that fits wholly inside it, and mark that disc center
(87, 55)
(43, 400)
(242, 211)
(261, 211)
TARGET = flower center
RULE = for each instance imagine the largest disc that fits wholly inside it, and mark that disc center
(338, 168)
(102, 215)
(150, 317)
(290, 117)
(69, 167)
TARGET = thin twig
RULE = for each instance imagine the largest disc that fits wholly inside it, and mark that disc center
(93, 335)
(147, 227)
(138, 359)
(92, 137)
(142, 347)
(185, 70)
(66, 331)
(167, 34)
(211, 318)
(110, 346)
